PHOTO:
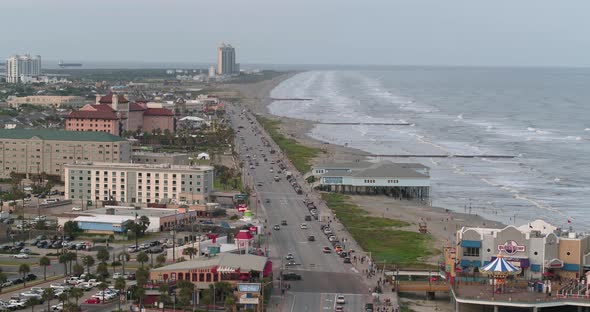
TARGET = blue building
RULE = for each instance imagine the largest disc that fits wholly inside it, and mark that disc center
(104, 223)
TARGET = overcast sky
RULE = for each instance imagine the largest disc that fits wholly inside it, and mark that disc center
(393, 32)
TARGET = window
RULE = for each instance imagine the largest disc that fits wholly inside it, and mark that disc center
(470, 252)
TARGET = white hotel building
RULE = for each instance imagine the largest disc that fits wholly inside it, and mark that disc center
(20, 66)
(138, 183)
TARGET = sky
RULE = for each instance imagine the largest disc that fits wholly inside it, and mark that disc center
(346, 32)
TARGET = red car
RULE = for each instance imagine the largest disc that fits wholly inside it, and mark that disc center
(92, 301)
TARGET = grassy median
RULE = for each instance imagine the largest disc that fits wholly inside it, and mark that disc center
(380, 236)
(297, 153)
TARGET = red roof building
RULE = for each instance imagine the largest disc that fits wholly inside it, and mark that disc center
(114, 114)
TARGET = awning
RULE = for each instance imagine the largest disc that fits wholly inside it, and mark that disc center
(471, 244)
(571, 267)
(536, 267)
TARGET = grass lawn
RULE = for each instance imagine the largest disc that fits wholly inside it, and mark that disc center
(299, 155)
(381, 236)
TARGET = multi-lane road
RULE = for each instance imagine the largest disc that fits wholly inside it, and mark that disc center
(324, 276)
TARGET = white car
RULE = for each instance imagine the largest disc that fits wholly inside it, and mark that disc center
(76, 209)
(340, 299)
(303, 226)
(57, 307)
(21, 256)
(84, 286)
(117, 275)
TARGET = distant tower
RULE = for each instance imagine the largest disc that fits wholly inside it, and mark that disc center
(226, 60)
(211, 71)
(18, 66)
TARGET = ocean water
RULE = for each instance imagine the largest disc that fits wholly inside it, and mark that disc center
(539, 115)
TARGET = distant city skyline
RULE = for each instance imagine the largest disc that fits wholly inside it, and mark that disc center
(373, 32)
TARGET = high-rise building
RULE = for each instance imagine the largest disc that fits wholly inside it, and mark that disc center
(226, 60)
(18, 66)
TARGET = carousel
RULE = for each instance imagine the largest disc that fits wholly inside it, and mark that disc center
(499, 270)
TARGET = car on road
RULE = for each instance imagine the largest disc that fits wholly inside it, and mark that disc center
(291, 276)
(339, 308)
(7, 284)
(311, 238)
(303, 226)
(117, 275)
(267, 201)
(326, 249)
(340, 299)
(21, 256)
(284, 222)
(290, 263)
(276, 227)
(259, 184)
(307, 218)
(252, 167)
(132, 248)
(76, 209)
(347, 260)
(25, 250)
(30, 277)
(289, 256)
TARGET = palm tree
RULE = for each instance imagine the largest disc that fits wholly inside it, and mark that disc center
(3, 278)
(44, 262)
(24, 269)
(88, 261)
(32, 302)
(103, 255)
(64, 259)
(47, 295)
(190, 251)
(142, 257)
(63, 297)
(123, 257)
(120, 285)
(145, 223)
(71, 258)
(102, 287)
(161, 259)
(77, 293)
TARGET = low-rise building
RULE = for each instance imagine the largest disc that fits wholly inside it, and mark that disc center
(55, 101)
(225, 267)
(34, 151)
(405, 180)
(138, 183)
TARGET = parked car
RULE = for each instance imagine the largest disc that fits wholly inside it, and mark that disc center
(277, 227)
(311, 238)
(92, 300)
(21, 256)
(30, 277)
(326, 249)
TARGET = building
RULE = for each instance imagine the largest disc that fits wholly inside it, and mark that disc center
(138, 183)
(19, 66)
(537, 248)
(114, 219)
(160, 158)
(211, 73)
(225, 267)
(553, 275)
(55, 101)
(408, 180)
(32, 151)
(226, 60)
(114, 114)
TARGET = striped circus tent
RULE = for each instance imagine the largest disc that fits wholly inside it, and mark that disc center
(499, 267)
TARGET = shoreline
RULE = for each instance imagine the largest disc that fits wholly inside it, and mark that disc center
(442, 223)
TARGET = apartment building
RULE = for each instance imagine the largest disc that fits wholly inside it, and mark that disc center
(138, 183)
(33, 151)
(21, 66)
(56, 101)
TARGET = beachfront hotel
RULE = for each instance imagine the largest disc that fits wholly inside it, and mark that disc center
(401, 180)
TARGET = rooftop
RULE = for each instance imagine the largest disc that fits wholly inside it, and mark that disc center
(384, 169)
(244, 263)
(104, 219)
(158, 112)
(136, 166)
(130, 212)
(58, 135)
(108, 99)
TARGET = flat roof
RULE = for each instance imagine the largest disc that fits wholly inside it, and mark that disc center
(103, 219)
(385, 170)
(149, 212)
(59, 135)
(225, 260)
(85, 164)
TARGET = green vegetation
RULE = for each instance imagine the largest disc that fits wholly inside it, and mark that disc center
(253, 78)
(380, 236)
(299, 155)
(227, 179)
(8, 112)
